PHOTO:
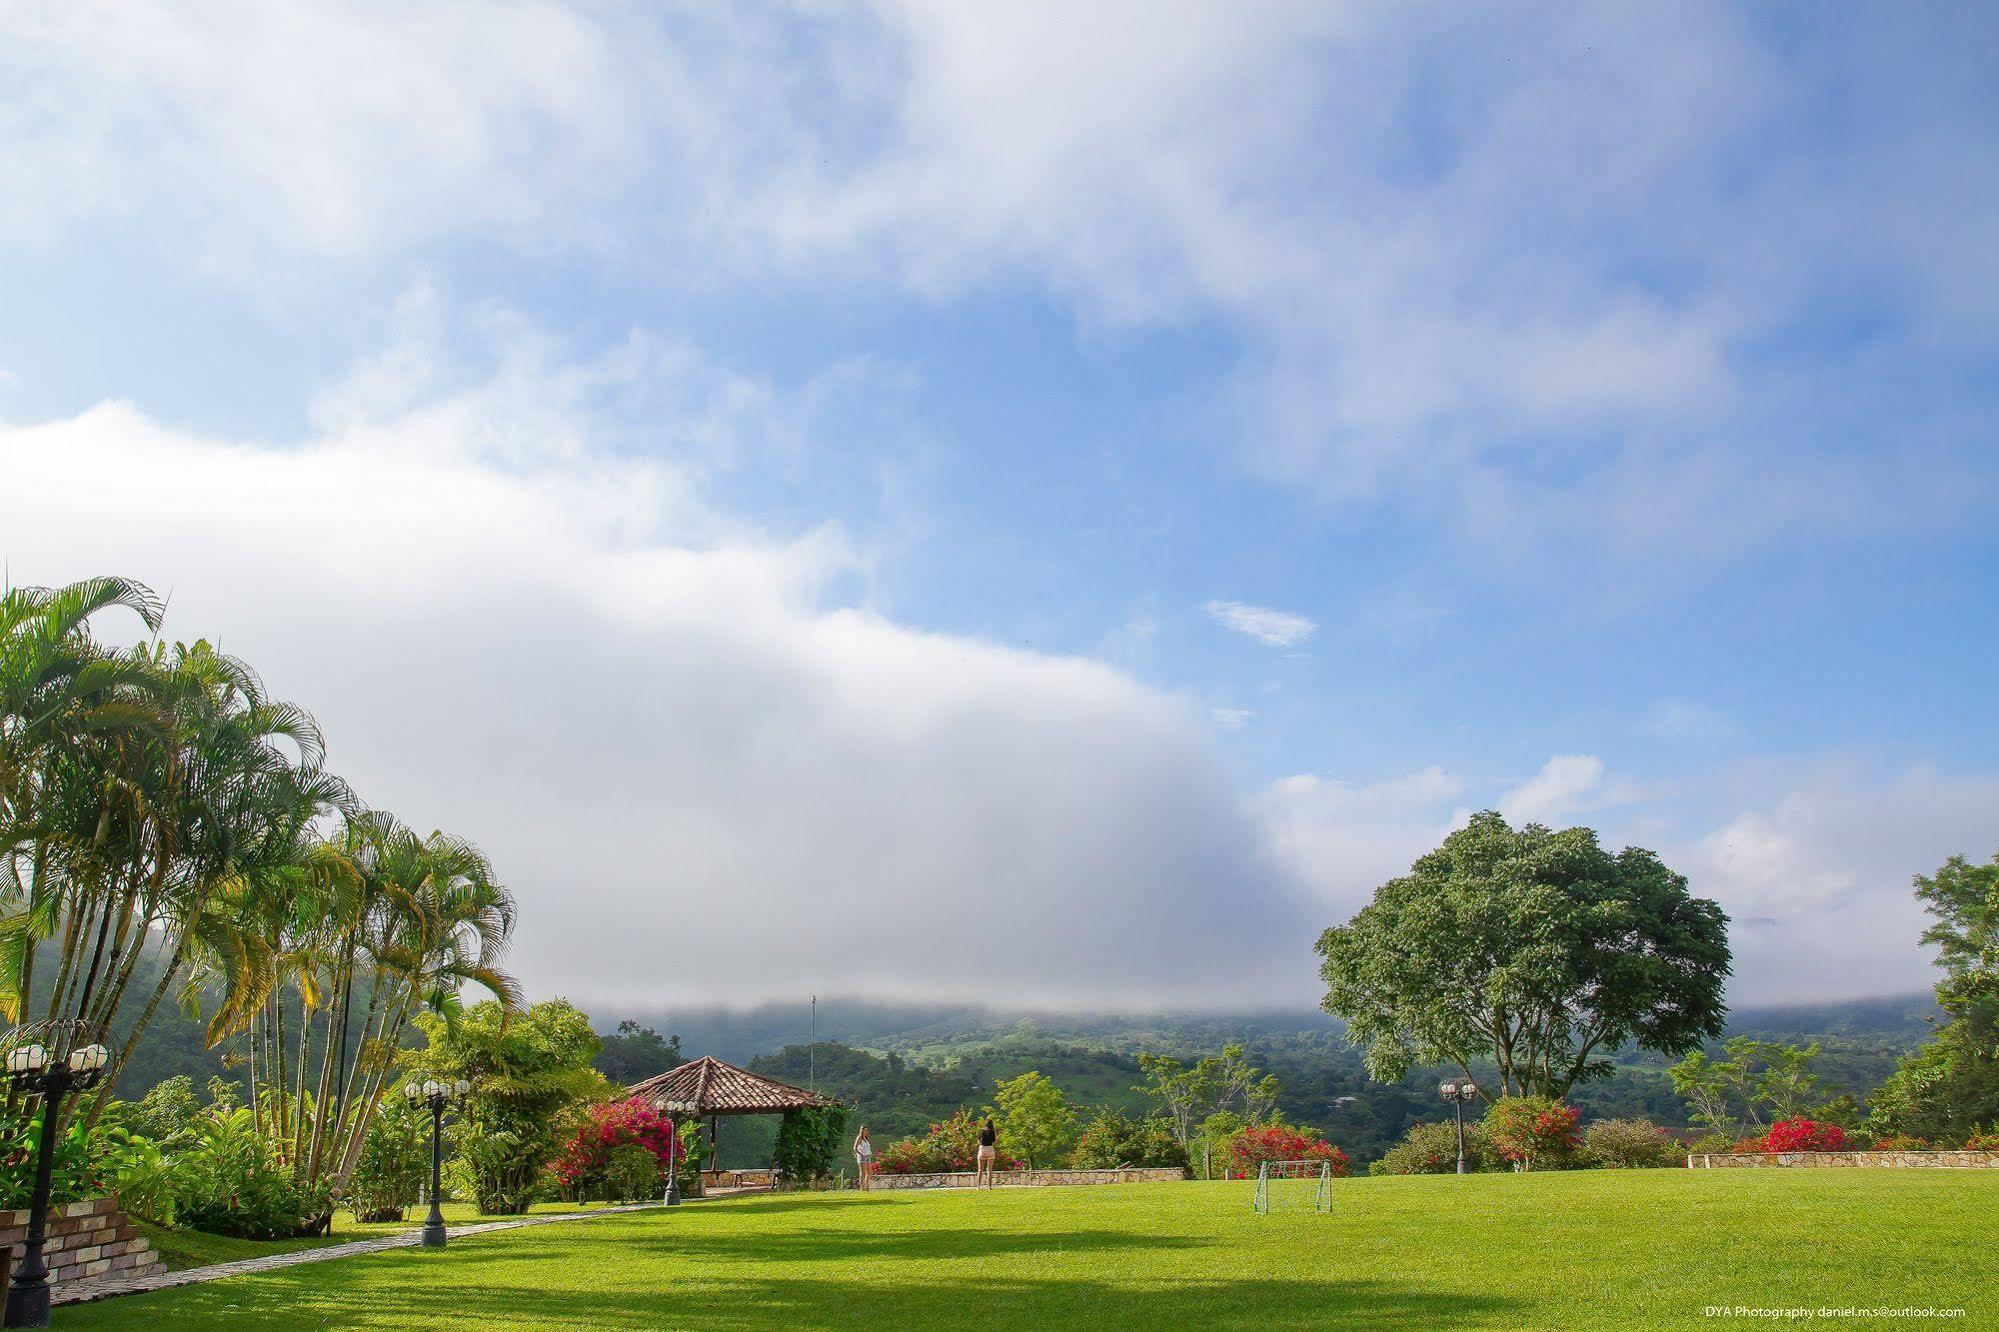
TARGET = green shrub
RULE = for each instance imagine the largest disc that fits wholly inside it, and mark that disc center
(809, 1142)
(236, 1184)
(1112, 1139)
(631, 1172)
(1432, 1149)
(1630, 1144)
(395, 1162)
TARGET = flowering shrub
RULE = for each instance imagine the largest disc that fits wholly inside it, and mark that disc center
(951, 1144)
(1533, 1130)
(1113, 1139)
(587, 1161)
(1805, 1135)
(1901, 1142)
(1982, 1142)
(1244, 1150)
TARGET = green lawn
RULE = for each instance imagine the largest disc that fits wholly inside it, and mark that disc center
(1602, 1248)
(193, 1248)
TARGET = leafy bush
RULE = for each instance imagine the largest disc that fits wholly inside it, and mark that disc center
(395, 1162)
(1533, 1132)
(1112, 1139)
(1432, 1149)
(235, 1183)
(950, 1144)
(608, 1129)
(1712, 1144)
(1900, 1142)
(1630, 1144)
(1982, 1142)
(809, 1142)
(86, 1165)
(1805, 1135)
(527, 1068)
(1248, 1148)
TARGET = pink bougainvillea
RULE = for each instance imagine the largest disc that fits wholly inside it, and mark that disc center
(1246, 1149)
(610, 1126)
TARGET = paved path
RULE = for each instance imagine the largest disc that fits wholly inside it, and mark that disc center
(102, 1288)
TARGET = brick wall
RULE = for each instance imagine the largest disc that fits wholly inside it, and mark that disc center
(960, 1179)
(85, 1239)
(1907, 1160)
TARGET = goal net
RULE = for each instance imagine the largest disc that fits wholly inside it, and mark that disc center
(1294, 1184)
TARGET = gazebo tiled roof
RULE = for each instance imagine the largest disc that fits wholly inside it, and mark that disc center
(716, 1088)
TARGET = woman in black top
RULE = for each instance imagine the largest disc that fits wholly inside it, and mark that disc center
(988, 1155)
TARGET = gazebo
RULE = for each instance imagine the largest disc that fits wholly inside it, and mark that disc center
(707, 1086)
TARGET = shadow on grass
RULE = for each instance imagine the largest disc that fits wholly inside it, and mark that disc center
(836, 1246)
(726, 1305)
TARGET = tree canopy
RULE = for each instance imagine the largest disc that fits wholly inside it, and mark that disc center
(1532, 948)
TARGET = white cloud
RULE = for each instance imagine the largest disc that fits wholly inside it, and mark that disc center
(1347, 839)
(1817, 879)
(1231, 719)
(705, 781)
(1564, 785)
(1517, 261)
(1274, 628)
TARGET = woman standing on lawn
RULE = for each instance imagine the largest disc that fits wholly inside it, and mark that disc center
(864, 1158)
(988, 1155)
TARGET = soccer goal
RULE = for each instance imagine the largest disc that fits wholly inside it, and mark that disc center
(1292, 1183)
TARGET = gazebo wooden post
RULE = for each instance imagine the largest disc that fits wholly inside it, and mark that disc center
(714, 1142)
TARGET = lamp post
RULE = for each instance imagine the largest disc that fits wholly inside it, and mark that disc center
(437, 1095)
(48, 1060)
(1460, 1095)
(671, 1109)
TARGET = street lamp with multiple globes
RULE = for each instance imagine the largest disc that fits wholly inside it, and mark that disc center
(671, 1109)
(49, 1060)
(1460, 1095)
(436, 1095)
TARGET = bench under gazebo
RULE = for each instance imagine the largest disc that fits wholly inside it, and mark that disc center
(708, 1087)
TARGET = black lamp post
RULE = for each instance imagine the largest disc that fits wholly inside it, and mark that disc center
(436, 1095)
(672, 1110)
(49, 1060)
(1460, 1095)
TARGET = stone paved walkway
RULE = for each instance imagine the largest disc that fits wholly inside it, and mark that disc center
(104, 1288)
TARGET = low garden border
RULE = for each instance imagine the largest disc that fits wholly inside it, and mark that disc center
(86, 1239)
(1877, 1160)
(1015, 1179)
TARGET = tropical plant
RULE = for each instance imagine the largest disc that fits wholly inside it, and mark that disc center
(1186, 1095)
(527, 1067)
(395, 1161)
(1805, 1135)
(950, 1144)
(1534, 949)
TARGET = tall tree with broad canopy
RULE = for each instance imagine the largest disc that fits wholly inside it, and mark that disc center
(1534, 949)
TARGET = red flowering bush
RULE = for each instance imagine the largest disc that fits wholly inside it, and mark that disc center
(950, 1144)
(607, 1138)
(1982, 1142)
(1805, 1135)
(1533, 1131)
(1246, 1149)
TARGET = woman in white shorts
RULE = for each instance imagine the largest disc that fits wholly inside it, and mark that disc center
(864, 1158)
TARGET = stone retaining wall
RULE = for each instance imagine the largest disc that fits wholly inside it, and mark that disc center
(962, 1179)
(1912, 1160)
(92, 1238)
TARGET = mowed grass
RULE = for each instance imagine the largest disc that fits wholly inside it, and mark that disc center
(193, 1248)
(1602, 1248)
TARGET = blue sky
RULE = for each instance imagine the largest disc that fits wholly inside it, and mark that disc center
(1133, 474)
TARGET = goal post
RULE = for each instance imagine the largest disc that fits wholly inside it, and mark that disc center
(1286, 1183)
